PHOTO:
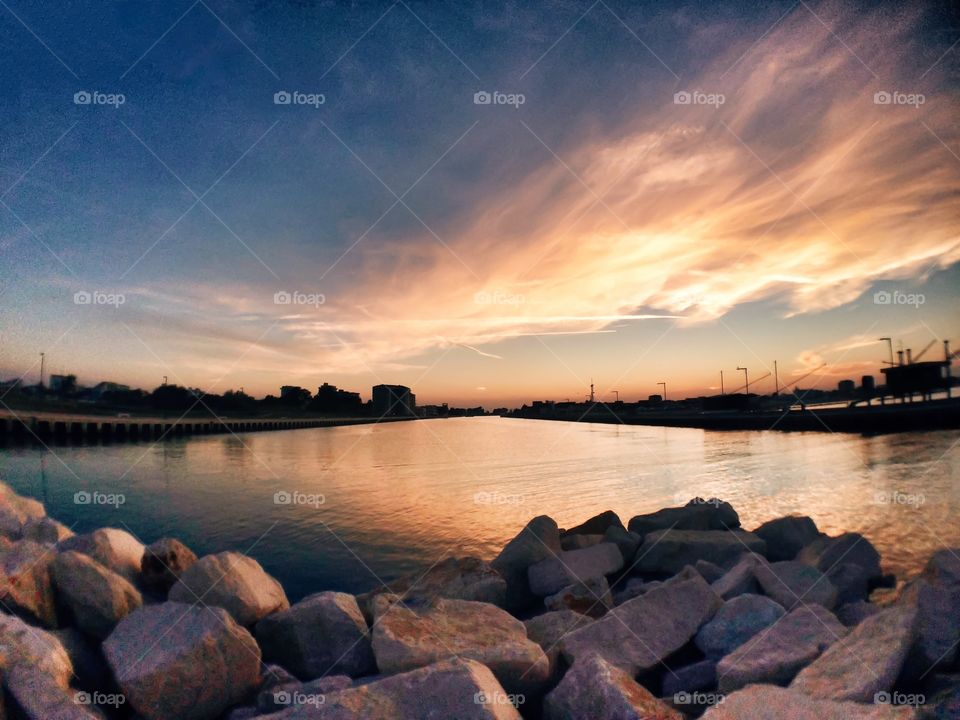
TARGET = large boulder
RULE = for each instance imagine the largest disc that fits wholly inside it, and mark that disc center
(792, 583)
(539, 539)
(740, 579)
(96, 598)
(411, 636)
(17, 511)
(768, 702)
(460, 688)
(549, 629)
(464, 578)
(163, 562)
(938, 625)
(597, 525)
(579, 542)
(640, 633)
(787, 536)
(777, 654)
(867, 662)
(590, 597)
(593, 688)
(669, 551)
(26, 583)
(553, 574)
(698, 514)
(180, 661)
(46, 531)
(113, 548)
(322, 634)
(234, 582)
(735, 623)
(627, 541)
(851, 582)
(943, 568)
(825, 552)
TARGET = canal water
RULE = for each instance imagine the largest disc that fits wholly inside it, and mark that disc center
(344, 508)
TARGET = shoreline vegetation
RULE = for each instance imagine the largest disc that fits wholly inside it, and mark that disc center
(680, 613)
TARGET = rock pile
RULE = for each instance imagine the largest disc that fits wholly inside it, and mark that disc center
(678, 614)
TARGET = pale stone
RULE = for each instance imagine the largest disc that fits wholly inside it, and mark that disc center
(791, 583)
(554, 573)
(740, 579)
(26, 583)
(768, 702)
(96, 598)
(113, 548)
(735, 623)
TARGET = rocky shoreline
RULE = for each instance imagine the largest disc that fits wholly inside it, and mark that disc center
(678, 614)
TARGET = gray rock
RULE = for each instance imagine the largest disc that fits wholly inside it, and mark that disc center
(322, 634)
(567, 567)
(698, 514)
(792, 583)
(579, 542)
(462, 689)
(36, 696)
(593, 688)
(180, 661)
(466, 578)
(851, 582)
(867, 662)
(938, 625)
(777, 654)
(690, 678)
(16, 511)
(46, 531)
(597, 525)
(640, 633)
(634, 587)
(826, 552)
(590, 597)
(787, 536)
(856, 612)
(234, 582)
(740, 579)
(768, 702)
(113, 548)
(410, 637)
(24, 646)
(549, 629)
(538, 540)
(96, 598)
(710, 572)
(90, 668)
(26, 583)
(736, 622)
(163, 562)
(669, 551)
(943, 569)
(627, 541)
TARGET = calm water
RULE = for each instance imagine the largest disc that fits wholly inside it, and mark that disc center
(398, 497)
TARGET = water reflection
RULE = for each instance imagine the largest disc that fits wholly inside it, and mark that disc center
(398, 497)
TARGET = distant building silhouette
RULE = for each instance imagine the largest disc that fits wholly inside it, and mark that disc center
(333, 401)
(393, 401)
(846, 387)
(868, 384)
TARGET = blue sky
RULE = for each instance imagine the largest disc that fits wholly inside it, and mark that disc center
(481, 253)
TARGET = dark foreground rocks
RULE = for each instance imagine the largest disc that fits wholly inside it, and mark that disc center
(682, 614)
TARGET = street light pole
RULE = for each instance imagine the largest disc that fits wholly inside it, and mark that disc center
(664, 389)
(42, 360)
(746, 378)
(617, 393)
(889, 347)
(721, 383)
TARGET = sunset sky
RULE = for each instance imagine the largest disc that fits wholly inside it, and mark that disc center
(480, 253)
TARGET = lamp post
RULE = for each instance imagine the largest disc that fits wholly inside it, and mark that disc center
(42, 359)
(721, 383)
(889, 342)
(617, 393)
(746, 378)
(664, 385)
